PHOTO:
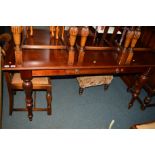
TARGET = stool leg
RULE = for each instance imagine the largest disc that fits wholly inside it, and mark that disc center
(106, 86)
(81, 90)
(49, 101)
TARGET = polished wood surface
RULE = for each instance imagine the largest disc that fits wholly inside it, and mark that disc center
(56, 57)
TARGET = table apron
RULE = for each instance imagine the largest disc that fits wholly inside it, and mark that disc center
(63, 72)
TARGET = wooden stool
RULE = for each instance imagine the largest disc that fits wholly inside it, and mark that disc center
(89, 81)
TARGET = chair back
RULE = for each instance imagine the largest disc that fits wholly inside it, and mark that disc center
(107, 35)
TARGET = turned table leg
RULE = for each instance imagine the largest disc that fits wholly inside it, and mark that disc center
(27, 86)
(138, 86)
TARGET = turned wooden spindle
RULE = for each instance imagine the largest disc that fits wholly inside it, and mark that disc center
(129, 36)
(52, 30)
(31, 31)
(73, 31)
(17, 30)
(28, 86)
(57, 32)
(62, 32)
(124, 53)
(134, 40)
(28, 28)
(84, 35)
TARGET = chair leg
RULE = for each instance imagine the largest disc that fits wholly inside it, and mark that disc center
(49, 101)
(11, 99)
(81, 90)
(106, 86)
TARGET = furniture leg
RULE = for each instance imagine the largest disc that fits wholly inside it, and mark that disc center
(11, 102)
(106, 86)
(27, 86)
(138, 86)
(81, 90)
(138, 99)
(147, 101)
(49, 100)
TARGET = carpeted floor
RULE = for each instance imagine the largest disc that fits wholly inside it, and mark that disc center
(95, 109)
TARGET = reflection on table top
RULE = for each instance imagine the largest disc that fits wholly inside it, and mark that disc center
(57, 58)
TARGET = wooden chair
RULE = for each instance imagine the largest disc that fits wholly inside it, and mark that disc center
(14, 83)
(107, 35)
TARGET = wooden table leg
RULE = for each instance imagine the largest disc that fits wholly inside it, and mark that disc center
(138, 86)
(27, 86)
